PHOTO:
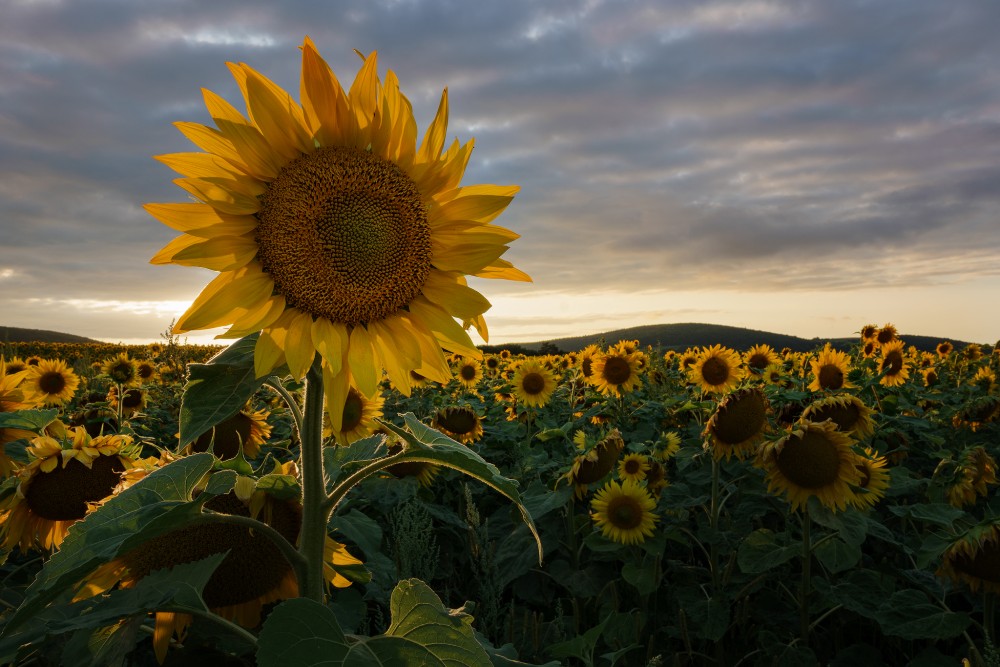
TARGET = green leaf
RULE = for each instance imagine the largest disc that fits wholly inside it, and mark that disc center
(581, 646)
(837, 555)
(282, 487)
(760, 552)
(301, 632)
(339, 462)
(910, 615)
(154, 505)
(642, 576)
(103, 647)
(709, 618)
(221, 483)
(506, 655)
(851, 524)
(941, 514)
(28, 420)
(432, 446)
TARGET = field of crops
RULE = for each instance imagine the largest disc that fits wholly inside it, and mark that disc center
(692, 507)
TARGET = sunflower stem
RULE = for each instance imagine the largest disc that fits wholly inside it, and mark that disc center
(315, 514)
(331, 501)
(275, 383)
(804, 589)
(713, 519)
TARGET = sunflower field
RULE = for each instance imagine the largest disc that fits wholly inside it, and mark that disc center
(694, 507)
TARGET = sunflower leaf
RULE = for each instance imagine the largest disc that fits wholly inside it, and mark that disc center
(910, 615)
(157, 503)
(302, 632)
(761, 551)
(29, 420)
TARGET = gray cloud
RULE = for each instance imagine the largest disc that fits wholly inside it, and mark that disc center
(753, 145)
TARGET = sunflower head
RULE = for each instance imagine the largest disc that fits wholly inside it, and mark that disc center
(830, 370)
(624, 512)
(533, 383)
(974, 558)
(868, 332)
(634, 467)
(616, 372)
(737, 424)
(717, 370)
(50, 383)
(246, 430)
(886, 334)
(874, 479)
(358, 419)
(121, 369)
(848, 412)
(892, 365)
(468, 372)
(459, 423)
(759, 357)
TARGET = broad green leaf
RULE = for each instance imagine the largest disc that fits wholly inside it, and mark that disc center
(28, 420)
(214, 393)
(837, 555)
(910, 615)
(282, 487)
(581, 646)
(432, 446)
(220, 483)
(103, 647)
(506, 655)
(941, 514)
(154, 505)
(339, 462)
(643, 576)
(302, 632)
(852, 525)
(709, 618)
(760, 552)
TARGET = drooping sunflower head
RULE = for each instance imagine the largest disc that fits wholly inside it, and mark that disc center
(830, 370)
(972, 352)
(738, 424)
(812, 460)
(50, 382)
(759, 357)
(615, 372)
(930, 376)
(423, 471)
(624, 512)
(984, 379)
(848, 412)
(717, 370)
(597, 463)
(533, 383)
(974, 558)
(246, 430)
(121, 369)
(333, 232)
(460, 423)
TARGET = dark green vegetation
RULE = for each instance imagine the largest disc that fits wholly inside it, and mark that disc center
(17, 335)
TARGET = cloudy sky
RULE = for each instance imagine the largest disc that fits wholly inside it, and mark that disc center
(804, 167)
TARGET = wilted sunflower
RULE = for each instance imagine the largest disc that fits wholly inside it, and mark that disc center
(974, 558)
(252, 575)
(830, 370)
(533, 383)
(333, 232)
(66, 478)
(121, 369)
(886, 334)
(246, 429)
(759, 357)
(459, 423)
(977, 411)
(717, 369)
(849, 413)
(624, 512)
(469, 372)
(893, 365)
(615, 372)
(737, 424)
(812, 460)
(633, 467)
(358, 420)
(874, 479)
(50, 382)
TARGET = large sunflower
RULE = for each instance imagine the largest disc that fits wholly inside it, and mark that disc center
(717, 369)
(332, 232)
(624, 512)
(759, 357)
(50, 382)
(830, 369)
(812, 460)
(65, 479)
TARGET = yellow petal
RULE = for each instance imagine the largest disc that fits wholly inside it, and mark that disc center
(450, 335)
(388, 347)
(454, 296)
(260, 159)
(49, 464)
(201, 219)
(223, 253)
(362, 361)
(323, 101)
(220, 195)
(468, 231)
(434, 138)
(277, 116)
(330, 340)
(363, 101)
(465, 258)
(269, 352)
(220, 109)
(246, 288)
(336, 386)
(502, 269)
(299, 349)
(257, 318)
(210, 140)
(475, 202)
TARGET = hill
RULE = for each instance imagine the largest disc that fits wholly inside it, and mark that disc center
(16, 335)
(683, 336)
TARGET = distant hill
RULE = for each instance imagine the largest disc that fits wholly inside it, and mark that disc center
(683, 336)
(16, 335)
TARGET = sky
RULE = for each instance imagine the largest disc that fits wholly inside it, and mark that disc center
(802, 167)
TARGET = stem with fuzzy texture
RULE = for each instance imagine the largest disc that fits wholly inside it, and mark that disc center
(315, 514)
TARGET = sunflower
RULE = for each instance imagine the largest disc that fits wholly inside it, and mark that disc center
(985, 379)
(656, 478)
(869, 331)
(667, 446)
(253, 574)
(687, 360)
(974, 558)
(892, 365)
(146, 371)
(246, 430)
(975, 472)
(12, 399)
(595, 463)
(533, 383)
(849, 413)
(50, 383)
(333, 233)
(133, 400)
(423, 471)
(121, 369)
(944, 348)
(869, 349)
(358, 418)
(491, 363)
(624, 512)
(585, 360)
(66, 478)
(469, 372)
(930, 377)
(759, 357)
(830, 370)
(14, 366)
(633, 467)
(33, 360)
(978, 411)
(717, 369)
(874, 479)
(972, 352)
(737, 424)
(616, 372)
(459, 423)
(775, 375)
(812, 460)
(886, 334)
